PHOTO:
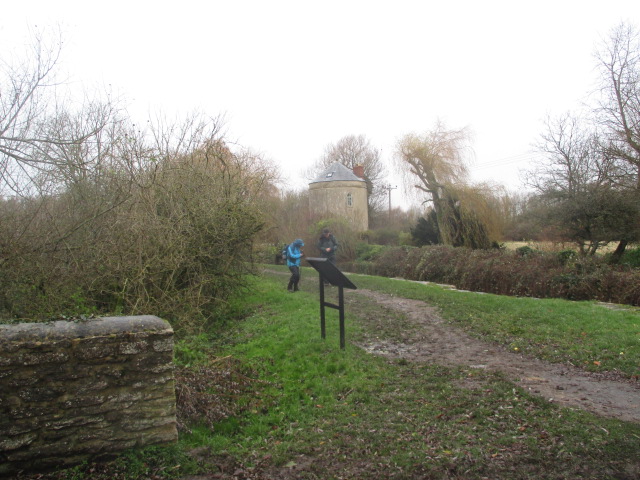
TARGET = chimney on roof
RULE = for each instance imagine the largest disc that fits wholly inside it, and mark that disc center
(358, 170)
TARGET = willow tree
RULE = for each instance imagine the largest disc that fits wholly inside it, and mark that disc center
(434, 165)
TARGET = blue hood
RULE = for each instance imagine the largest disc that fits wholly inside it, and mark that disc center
(299, 242)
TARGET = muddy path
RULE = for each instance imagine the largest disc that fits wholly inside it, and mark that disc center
(435, 341)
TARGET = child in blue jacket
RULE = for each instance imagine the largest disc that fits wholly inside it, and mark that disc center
(294, 254)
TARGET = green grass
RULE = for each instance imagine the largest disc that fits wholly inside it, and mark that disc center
(318, 412)
(359, 416)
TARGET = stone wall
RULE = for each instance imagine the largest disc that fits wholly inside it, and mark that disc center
(71, 391)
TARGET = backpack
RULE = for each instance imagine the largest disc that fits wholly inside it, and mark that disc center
(285, 253)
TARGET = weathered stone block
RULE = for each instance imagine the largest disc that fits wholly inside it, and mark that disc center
(71, 391)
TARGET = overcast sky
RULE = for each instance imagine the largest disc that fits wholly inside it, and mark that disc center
(291, 77)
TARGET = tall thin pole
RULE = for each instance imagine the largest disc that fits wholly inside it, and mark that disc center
(341, 313)
(389, 188)
(322, 304)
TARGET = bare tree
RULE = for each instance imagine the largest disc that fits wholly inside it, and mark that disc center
(579, 194)
(619, 111)
(293, 216)
(55, 153)
(38, 134)
(571, 158)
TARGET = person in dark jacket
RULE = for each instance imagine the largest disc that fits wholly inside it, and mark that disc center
(294, 254)
(327, 245)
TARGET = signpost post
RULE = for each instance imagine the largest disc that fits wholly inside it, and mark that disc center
(330, 273)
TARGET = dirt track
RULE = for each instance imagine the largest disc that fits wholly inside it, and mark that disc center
(437, 342)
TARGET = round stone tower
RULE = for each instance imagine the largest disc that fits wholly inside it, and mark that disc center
(340, 192)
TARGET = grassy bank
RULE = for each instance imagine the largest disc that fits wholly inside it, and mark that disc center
(308, 410)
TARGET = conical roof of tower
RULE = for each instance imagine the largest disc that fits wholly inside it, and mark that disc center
(337, 172)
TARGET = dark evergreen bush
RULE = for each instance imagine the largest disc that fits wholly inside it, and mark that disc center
(524, 250)
(566, 256)
(631, 258)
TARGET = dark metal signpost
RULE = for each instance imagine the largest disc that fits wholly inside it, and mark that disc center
(329, 272)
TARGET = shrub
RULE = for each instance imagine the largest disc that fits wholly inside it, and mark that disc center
(393, 262)
(503, 272)
(525, 250)
(631, 258)
(383, 236)
(361, 266)
(566, 256)
(368, 252)
(176, 245)
(438, 263)
(404, 238)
